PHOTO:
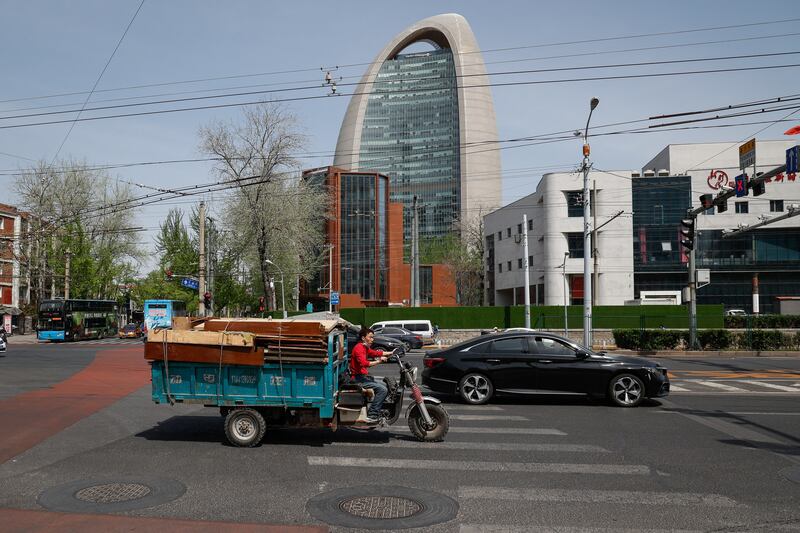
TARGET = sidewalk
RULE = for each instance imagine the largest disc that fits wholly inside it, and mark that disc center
(22, 339)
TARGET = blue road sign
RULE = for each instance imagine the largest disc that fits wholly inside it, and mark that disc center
(792, 155)
(334, 298)
(190, 283)
(740, 182)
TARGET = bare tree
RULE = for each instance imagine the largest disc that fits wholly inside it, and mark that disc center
(275, 214)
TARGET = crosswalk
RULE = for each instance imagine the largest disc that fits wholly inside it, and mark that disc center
(533, 466)
(763, 387)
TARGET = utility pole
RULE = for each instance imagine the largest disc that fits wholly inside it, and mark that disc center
(594, 244)
(66, 274)
(202, 277)
(330, 279)
(692, 300)
(527, 271)
(587, 234)
(414, 254)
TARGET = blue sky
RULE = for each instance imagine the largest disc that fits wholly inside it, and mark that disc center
(61, 47)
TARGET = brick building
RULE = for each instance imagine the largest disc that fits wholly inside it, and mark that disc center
(14, 276)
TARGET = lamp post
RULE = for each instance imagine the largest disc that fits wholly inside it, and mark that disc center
(587, 234)
(283, 295)
(563, 266)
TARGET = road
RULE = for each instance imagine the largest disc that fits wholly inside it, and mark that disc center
(717, 455)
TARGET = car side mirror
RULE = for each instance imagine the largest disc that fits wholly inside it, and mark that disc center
(582, 355)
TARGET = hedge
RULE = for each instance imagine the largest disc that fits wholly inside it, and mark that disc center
(712, 339)
(762, 321)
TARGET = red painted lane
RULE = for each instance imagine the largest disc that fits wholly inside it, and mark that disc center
(26, 521)
(31, 417)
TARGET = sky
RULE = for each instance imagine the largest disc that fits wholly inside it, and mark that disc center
(56, 48)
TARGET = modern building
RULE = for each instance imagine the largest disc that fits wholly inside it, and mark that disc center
(14, 274)
(426, 120)
(365, 230)
(637, 247)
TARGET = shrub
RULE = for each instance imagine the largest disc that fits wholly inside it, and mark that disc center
(762, 339)
(647, 339)
(715, 339)
(763, 321)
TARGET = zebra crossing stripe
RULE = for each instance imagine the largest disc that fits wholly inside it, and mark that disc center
(484, 466)
(675, 388)
(488, 446)
(506, 431)
(487, 417)
(769, 385)
(493, 528)
(720, 386)
(623, 497)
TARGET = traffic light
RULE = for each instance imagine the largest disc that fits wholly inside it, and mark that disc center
(261, 303)
(168, 272)
(687, 232)
(758, 188)
(707, 201)
(722, 206)
(207, 300)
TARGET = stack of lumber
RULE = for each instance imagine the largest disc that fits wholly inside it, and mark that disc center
(243, 341)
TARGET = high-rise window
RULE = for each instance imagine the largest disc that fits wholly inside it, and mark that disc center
(575, 245)
(742, 207)
(411, 133)
(776, 206)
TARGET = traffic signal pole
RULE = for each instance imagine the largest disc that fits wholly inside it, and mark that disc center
(202, 277)
(692, 300)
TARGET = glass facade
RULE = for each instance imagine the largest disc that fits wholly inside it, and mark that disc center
(362, 200)
(411, 133)
(658, 207)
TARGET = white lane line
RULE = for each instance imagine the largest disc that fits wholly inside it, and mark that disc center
(485, 466)
(487, 417)
(489, 446)
(481, 408)
(720, 386)
(491, 528)
(769, 385)
(493, 431)
(744, 413)
(675, 388)
(625, 497)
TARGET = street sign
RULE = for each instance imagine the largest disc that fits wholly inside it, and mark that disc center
(334, 298)
(792, 156)
(747, 154)
(740, 182)
(190, 283)
(702, 277)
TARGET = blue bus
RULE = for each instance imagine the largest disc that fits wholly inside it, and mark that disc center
(73, 320)
(159, 313)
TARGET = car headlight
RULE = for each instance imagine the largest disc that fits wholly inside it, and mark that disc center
(656, 371)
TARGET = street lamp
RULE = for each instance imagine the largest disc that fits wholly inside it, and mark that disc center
(587, 234)
(563, 266)
(283, 296)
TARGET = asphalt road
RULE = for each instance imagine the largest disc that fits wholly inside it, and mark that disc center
(714, 456)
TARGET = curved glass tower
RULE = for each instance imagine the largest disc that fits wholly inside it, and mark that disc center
(418, 117)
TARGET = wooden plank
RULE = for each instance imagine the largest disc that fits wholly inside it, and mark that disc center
(271, 327)
(195, 353)
(210, 338)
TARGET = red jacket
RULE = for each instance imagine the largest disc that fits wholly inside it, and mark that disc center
(359, 363)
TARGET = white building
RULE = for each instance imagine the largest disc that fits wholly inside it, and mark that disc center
(638, 249)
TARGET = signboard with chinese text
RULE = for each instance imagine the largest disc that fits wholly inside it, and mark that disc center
(747, 154)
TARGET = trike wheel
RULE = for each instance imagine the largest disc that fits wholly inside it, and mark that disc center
(244, 427)
(439, 428)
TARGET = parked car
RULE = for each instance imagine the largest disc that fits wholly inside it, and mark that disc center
(130, 331)
(378, 343)
(540, 363)
(735, 312)
(3, 341)
(410, 339)
(423, 328)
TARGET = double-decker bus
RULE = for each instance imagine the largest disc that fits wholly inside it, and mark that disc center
(72, 320)
(159, 313)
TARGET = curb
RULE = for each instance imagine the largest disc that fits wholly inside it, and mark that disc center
(669, 354)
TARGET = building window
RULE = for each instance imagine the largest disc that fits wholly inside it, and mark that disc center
(776, 206)
(426, 284)
(519, 263)
(575, 245)
(499, 235)
(530, 225)
(508, 230)
(530, 260)
(742, 207)
(2, 223)
(709, 211)
(519, 228)
(575, 203)
(508, 264)
(500, 267)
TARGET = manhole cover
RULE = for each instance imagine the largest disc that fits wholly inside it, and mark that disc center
(113, 492)
(384, 507)
(110, 495)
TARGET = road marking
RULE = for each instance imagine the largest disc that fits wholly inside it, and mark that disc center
(456, 407)
(624, 497)
(507, 431)
(720, 386)
(744, 413)
(487, 417)
(484, 466)
(493, 446)
(736, 431)
(675, 388)
(492, 528)
(769, 385)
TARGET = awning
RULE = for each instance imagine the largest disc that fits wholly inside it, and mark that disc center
(9, 310)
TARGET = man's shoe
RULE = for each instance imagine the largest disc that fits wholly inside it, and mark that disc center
(370, 420)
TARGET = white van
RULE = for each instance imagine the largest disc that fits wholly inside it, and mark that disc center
(423, 328)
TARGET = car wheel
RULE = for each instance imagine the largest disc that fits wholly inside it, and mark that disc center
(626, 390)
(475, 389)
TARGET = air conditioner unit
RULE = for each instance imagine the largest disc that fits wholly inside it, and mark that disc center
(663, 172)
(649, 173)
(635, 174)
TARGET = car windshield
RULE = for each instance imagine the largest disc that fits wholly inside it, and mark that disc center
(130, 327)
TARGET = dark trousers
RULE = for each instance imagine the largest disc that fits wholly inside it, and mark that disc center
(368, 382)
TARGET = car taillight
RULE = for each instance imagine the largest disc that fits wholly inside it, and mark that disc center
(418, 337)
(431, 362)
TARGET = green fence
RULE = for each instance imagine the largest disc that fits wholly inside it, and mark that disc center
(544, 317)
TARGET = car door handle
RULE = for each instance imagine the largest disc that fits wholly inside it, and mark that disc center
(545, 361)
(493, 360)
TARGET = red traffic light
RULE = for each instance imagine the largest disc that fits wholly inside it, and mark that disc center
(168, 272)
(707, 201)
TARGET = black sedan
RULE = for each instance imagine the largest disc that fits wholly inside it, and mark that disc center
(540, 363)
(409, 338)
(380, 342)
